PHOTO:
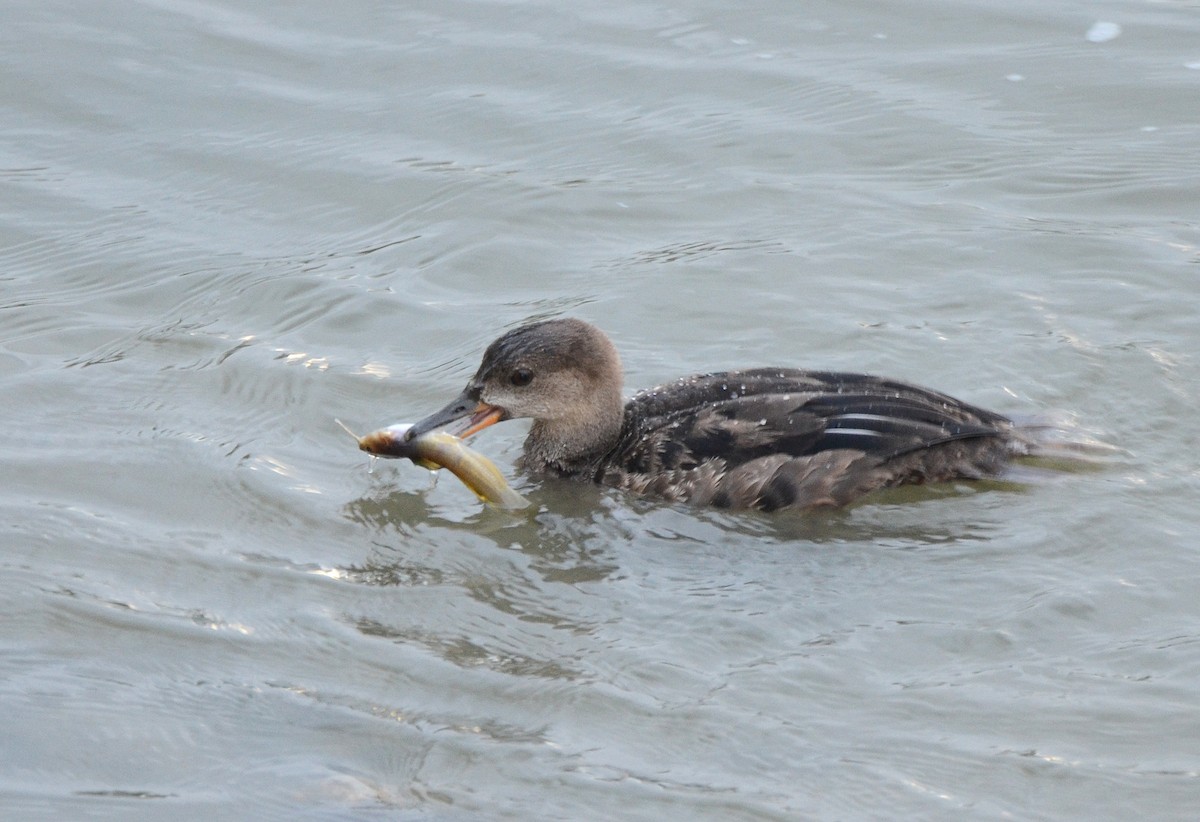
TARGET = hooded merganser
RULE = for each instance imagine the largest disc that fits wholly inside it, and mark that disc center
(765, 438)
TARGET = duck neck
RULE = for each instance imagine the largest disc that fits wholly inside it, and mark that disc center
(571, 445)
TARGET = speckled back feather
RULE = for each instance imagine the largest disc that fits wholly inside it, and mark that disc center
(774, 438)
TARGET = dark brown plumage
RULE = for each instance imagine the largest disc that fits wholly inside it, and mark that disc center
(767, 438)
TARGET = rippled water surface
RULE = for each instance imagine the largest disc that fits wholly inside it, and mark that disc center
(222, 225)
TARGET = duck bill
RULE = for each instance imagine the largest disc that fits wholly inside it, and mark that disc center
(474, 414)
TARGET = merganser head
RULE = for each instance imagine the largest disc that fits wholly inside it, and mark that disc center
(564, 374)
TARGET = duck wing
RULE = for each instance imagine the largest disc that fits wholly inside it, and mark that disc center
(769, 438)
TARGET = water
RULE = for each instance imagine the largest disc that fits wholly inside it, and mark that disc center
(225, 224)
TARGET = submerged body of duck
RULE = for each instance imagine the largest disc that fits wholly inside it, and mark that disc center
(767, 438)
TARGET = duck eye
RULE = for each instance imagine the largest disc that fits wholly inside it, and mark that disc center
(521, 377)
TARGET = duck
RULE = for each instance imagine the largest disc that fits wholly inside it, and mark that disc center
(765, 439)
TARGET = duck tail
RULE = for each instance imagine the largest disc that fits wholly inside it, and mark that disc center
(1057, 440)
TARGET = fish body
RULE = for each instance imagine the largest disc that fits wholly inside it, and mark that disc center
(437, 449)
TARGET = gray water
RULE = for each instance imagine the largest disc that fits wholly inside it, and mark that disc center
(223, 224)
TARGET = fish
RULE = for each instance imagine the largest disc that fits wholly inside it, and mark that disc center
(437, 449)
